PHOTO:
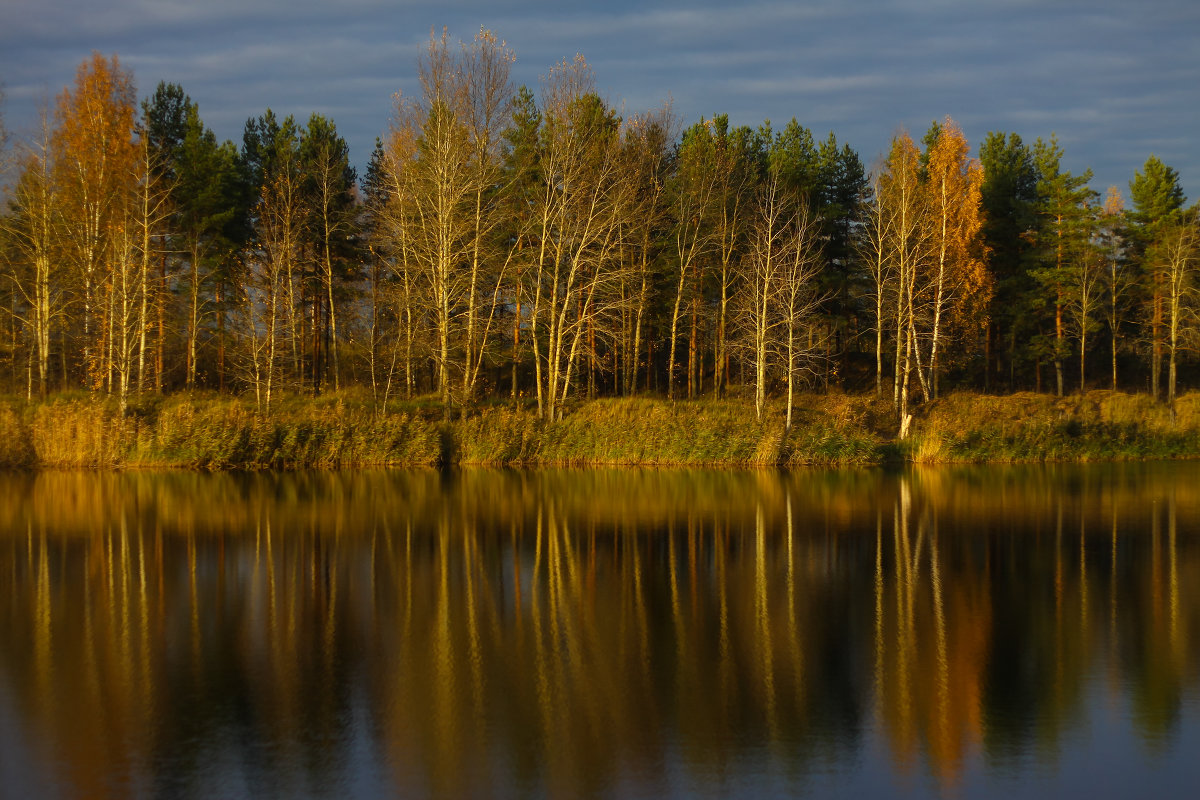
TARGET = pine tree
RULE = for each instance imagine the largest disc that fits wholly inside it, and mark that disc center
(1157, 200)
(1063, 231)
(329, 182)
(1009, 202)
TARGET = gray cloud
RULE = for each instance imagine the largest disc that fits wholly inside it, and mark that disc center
(1115, 80)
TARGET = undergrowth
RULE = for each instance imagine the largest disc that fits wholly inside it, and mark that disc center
(211, 431)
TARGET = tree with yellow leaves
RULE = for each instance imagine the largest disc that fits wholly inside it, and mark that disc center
(923, 244)
(447, 187)
(31, 229)
(94, 159)
(904, 245)
(961, 284)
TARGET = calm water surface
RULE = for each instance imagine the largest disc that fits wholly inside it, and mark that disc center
(944, 633)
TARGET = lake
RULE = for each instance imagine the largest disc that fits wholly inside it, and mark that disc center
(955, 632)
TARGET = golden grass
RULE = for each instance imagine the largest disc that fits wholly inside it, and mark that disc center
(212, 431)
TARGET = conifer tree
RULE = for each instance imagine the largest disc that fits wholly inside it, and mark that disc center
(1064, 227)
(1009, 202)
(1157, 200)
(329, 181)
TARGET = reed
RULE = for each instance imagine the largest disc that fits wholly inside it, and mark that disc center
(211, 431)
(16, 450)
(1096, 426)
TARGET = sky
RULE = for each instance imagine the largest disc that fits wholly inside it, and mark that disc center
(1116, 81)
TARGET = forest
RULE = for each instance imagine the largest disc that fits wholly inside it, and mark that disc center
(533, 246)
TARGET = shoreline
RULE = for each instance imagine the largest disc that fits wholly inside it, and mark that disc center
(219, 432)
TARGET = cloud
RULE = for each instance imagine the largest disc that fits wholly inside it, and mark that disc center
(1115, 80)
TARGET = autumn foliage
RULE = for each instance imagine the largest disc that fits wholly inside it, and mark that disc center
(544, 245)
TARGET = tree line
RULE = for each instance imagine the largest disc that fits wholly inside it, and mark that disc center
(536, 245)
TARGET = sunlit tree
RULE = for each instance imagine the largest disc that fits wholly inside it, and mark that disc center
(693, 203)
(1118, 280)
(961, 286)
(446, 161)
(1157, 200)
(574, 228)
(1063, 233)
(329, 190)
(273, 271)
(93, 160)
(874, 234)
(907, 246)
(798, 297)
(1176, 257)
(646, 144)
(36, 271)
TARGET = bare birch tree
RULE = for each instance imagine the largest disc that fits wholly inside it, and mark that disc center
(33, 228)
(93, 150)
(872, 246)
(574, 225)
(960, 285)
(798, 296)
(767, 252)
(1177, 255)
(904, 205)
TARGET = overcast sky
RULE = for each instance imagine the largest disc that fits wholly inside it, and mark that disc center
(1117, 80)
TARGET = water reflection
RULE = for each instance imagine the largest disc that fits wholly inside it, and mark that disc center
(563, 633)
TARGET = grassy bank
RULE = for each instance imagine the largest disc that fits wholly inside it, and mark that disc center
(1096, 426)
(217, 432)
(211, 433)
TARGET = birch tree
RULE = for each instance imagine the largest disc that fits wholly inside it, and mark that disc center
(489, 96)
(693, 202)
(32, 228)
(447, 186)
(1085, 292)
(281, 216)
(1062, 203)
(93, 155)
(738, 155)
(872, 245)
(1118, 283)
(766, 254)
(329, 190)
(960, 284)
(396, 226)
(1176, 256)
(798, 296)
(905, 209)
(1157, 200)
(574, 226)
(143, 211)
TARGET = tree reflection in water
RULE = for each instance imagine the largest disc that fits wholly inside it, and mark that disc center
(590, 632)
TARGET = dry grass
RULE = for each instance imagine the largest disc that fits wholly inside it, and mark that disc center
(344, 430)
(1098, 425)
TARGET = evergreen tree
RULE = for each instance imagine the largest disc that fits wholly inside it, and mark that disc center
(842, 184)
(794, 158)
(1009, 199)
(1064, 228)
(270, 161)
(329, 182)
(211, 197)
(1157, 202)
(1157, 195)
(520, 160)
